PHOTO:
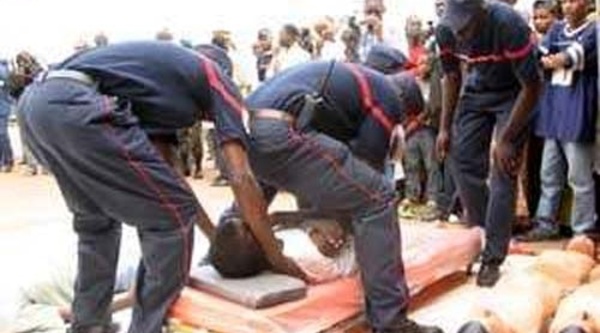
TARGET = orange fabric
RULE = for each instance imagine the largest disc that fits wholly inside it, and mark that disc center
(429, 254)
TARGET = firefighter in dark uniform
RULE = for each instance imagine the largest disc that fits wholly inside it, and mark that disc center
(495, 96)
(99, 122)
(321, 131)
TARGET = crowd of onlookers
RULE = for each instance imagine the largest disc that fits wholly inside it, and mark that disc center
(560, 152)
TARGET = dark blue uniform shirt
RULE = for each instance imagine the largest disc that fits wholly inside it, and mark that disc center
(360, 106)
(169, 87)
(499, 57)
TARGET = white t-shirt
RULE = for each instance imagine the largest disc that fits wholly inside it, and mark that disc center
(298, 246)
(288, 57)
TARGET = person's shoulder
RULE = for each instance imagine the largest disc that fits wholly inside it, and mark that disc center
(503, 14)
(590, 28)
(444, 35)
(556, 29)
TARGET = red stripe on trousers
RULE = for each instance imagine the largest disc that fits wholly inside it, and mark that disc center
(165, 203)
(337, 168)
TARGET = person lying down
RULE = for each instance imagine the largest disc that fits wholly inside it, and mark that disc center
(323, 248)
(524, 300)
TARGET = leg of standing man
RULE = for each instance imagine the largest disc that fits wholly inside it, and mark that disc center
(109, 171)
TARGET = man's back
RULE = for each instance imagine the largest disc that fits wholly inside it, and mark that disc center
(357, 101)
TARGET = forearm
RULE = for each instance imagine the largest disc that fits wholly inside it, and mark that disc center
(520, 114)
(123, 300)
(451, 84)
(249, 198)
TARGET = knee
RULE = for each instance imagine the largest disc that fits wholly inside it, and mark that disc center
(580, 180)
(461, 163)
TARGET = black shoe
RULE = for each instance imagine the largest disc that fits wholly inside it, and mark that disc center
(409, 326)
(542, 232)
(473, 327)
(220, 181)
(488, 275)
(110, 328)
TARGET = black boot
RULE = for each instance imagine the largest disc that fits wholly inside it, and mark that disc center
(409, 326)
(488, 275)
(473, 327)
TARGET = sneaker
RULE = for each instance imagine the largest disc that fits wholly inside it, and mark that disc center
(408, 209)
(429, 212)
(544, 231)
(488, 275)
(7, 168)
(409, 326)
(31, 171)
(220, 181)
(198, 174)
(473, 327)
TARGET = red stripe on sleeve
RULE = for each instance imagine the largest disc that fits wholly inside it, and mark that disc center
(215, 82)
(522, 52)
(367, 102)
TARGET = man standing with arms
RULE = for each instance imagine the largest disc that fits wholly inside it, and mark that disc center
(496, 95)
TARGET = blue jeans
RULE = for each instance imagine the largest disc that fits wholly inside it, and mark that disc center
(570, 162)
(420, 157)
(325, 174)
(490, 206)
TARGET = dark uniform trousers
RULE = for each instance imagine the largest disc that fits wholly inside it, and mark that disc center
(489, 199)
(323, 173)
(109, 172)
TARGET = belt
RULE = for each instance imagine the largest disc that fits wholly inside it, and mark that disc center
(70, 75)
(273, 114)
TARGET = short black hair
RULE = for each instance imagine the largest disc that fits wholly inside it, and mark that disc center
(234, 252)
(292, 30)
(550, 5)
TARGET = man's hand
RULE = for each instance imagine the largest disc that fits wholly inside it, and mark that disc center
(285, 265)
(442, 144)
(253, 208)
(554, 61)
(505, 157)
(328, 236)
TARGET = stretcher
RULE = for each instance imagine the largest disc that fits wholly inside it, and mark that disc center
(430, 254)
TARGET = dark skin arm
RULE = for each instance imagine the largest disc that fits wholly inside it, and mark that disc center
(253, 208)
(120, 302)
(451, 84)
(504, 152)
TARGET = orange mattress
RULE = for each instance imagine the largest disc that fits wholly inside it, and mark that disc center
(430, 254)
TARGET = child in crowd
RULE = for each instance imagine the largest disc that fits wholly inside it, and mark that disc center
(567, 120)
